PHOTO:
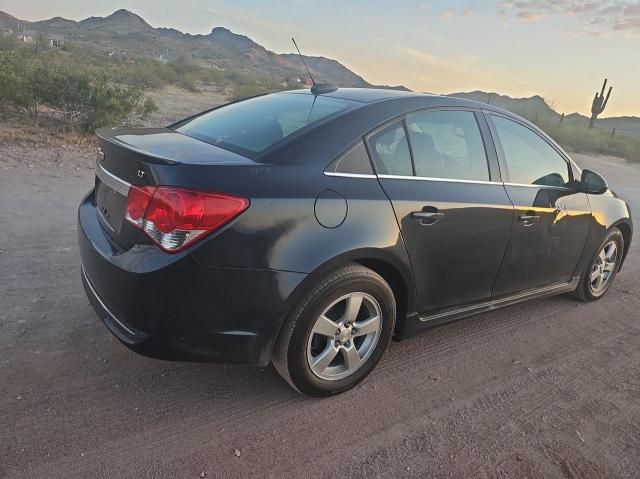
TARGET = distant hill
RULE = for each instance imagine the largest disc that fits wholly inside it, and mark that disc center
(536, 107)
(529, 107)
(126, 32)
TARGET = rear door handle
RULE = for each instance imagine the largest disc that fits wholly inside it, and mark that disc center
(427, 217)
(528, 220)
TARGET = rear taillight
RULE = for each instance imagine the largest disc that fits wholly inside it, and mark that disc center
(175, 218)
(137, 202)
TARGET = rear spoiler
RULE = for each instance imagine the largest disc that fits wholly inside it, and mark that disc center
(113, 136)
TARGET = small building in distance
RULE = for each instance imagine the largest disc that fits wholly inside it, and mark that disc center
(55, 40)
(27, 36)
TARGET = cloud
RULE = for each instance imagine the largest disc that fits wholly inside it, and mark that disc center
(453, 73)
(530, 16)
(598, 18)
(447, 14)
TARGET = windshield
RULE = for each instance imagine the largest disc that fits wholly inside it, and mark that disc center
(252, 126)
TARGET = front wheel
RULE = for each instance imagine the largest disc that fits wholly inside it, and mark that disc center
(602, 268)
(337, 333)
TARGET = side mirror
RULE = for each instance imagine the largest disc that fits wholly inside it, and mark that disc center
(593, 183)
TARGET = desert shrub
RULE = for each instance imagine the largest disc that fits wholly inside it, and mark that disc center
(148, 107)
(245, 87)
(188, 81)
(143, 74)
(105, 103)
(578, 137)
(86, 98)
(8, 43)
(14, 80)
(213, 75)
(240, 92)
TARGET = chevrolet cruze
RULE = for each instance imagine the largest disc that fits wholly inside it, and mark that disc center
(308, 228)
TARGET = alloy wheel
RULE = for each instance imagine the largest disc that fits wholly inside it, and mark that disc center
(344, 336)
(604, 267)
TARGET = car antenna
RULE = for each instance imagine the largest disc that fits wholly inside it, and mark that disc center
(316, 88)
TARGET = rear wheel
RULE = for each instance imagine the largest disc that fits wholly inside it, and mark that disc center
(337, 333)
(603, 267)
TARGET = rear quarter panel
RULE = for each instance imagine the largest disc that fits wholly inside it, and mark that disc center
(280, 230)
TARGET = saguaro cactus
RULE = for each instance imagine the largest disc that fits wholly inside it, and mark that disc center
(599, 103)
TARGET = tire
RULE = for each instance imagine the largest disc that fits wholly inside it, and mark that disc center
(300, 346)
(586, 290)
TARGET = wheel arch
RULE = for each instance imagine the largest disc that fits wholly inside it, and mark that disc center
(626, 229)
(391, 268)
(401, 289)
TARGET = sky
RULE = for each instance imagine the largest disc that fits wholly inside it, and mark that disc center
(559, 49)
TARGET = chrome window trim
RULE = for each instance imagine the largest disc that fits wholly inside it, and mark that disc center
(447, 180)
(112, 181)
(349, 175)
(537, 186)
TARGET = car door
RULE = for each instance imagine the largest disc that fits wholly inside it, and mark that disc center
(552, 217)
(453, 211)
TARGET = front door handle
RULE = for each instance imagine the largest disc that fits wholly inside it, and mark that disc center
(427, 217)
(528, 219)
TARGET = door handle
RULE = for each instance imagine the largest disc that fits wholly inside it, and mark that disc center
(427, 217)
(559, 209)
(528, 219)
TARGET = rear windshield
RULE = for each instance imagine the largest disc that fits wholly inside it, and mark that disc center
(252, 126)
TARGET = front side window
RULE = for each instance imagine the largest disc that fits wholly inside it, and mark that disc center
(252, 126)
(529, 159)
(390, 151)
(448, 144)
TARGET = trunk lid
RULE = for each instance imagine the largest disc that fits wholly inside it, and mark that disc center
(142, 157)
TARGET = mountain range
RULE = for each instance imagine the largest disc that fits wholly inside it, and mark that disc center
(126, 32)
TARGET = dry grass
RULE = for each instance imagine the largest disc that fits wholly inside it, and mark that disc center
(174, 104)
(16, 132)
(42, 137)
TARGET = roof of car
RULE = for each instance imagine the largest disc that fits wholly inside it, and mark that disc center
(364, 95)
(372, 95)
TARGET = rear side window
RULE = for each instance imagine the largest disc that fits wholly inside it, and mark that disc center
(354, 161)
(448, 144)
(390, 151)
(252, 126)
(529, 159)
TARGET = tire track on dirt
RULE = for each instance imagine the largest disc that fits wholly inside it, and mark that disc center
(521, 392)
(294, 435)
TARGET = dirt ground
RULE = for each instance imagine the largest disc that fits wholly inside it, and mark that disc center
(175, 103)
(549, 388)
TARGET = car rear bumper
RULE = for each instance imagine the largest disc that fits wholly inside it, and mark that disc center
(170, 306)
